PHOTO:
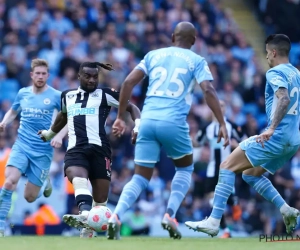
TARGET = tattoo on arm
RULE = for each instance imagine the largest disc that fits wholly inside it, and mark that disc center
(282, 106)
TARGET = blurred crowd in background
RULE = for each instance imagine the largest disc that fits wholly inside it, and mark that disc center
(69, 32)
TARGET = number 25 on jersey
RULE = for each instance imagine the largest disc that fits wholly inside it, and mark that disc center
(161, 81)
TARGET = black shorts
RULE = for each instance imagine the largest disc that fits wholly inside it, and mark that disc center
(94, 158)
(211, 183)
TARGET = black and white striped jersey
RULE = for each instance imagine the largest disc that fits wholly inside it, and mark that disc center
(217, 152)
(87, 114)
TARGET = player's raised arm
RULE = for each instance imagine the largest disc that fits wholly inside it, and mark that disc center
(214, 104)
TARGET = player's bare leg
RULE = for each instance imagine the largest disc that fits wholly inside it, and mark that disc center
(254, 177)
(79, 178)
(129, 195)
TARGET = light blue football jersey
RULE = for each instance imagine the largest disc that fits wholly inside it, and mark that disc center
(37, 111)
(286, 76)
(171, 72)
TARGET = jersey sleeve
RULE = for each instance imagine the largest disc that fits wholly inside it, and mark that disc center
(16, 106)
(202, 72)
(201, 136)
(276, 80)
(112, 97)
(143, 65)
(63, 104)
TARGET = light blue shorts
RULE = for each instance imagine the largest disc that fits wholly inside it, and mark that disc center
(154, 134)
(272, 157)
(35, 165)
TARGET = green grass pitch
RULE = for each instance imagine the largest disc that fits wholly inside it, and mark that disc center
(140, 243)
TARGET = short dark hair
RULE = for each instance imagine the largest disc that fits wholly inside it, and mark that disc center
(281, 43)
(106, 66)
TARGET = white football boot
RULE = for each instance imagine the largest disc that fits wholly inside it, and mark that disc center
(77, 221)
(203, 226)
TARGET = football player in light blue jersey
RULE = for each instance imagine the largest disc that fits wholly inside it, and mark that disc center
(31, 156)
(172, 73)
(270, 150)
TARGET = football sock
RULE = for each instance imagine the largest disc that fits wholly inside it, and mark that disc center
(222, 223)
(223, 190)
(5, 204)
(95, 204)
(233, 200)
(83, 196)
(265, 188)
(130, 193)
(179, 187)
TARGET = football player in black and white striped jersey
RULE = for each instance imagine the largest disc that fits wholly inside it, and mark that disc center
(85, 110)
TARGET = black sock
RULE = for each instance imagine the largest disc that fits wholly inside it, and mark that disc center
(170, 212)
(84, 202)
(232, 200)
(223, 223)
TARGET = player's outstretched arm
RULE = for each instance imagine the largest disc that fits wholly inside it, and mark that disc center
(134, 111)
(57, 140)
(131, 80)
(135, 116)
(214, 104)
(8, 118)
(60, 122)
(280, 111)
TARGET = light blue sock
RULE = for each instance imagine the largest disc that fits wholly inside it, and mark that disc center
(130, 193)
(179, 187)
(5, 204)
(42, 189)
(223, 190)
(265, 188)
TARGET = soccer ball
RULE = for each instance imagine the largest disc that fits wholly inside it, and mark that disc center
(98, 218)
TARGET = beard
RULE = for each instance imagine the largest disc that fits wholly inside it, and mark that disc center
(39, 85)
(89, 90)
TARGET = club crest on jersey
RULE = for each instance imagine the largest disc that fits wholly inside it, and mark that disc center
(47, 101)
(95, 94)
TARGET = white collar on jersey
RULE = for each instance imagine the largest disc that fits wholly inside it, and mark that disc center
(83, 91)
